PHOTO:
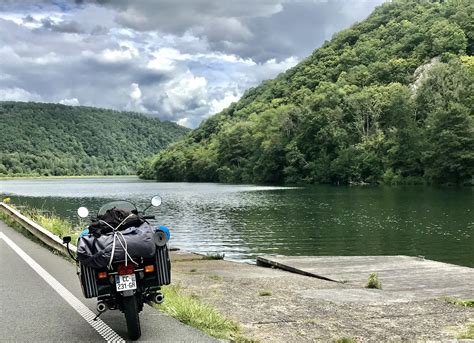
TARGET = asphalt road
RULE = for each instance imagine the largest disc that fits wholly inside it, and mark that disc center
(31, 310)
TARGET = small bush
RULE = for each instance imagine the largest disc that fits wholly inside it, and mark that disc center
(465, 303)
(214, 256)
(374, 281)
(265, 293)
(216, 277)
(345, 340)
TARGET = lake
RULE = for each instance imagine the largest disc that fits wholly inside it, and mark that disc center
(244, 221)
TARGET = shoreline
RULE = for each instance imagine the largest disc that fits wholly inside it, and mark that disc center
(9, 178)
(290, 186)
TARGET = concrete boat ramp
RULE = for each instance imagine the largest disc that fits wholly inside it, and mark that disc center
(403, 278)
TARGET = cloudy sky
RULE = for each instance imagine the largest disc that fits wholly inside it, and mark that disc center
(179, 60)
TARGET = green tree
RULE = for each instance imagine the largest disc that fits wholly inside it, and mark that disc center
(449, 156)
(3, 169)
(446, 36)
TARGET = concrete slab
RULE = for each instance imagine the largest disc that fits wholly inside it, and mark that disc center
(298, 308)
(402, 277)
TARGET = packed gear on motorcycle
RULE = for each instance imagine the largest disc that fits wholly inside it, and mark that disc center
(124, 245)
(119, 233)
(114, 217)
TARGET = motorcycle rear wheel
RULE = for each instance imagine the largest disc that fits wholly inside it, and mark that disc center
(130, 309)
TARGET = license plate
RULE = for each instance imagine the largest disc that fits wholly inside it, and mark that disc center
(125, 282)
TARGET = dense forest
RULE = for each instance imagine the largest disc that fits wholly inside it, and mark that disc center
(388, 100)
(52, 139)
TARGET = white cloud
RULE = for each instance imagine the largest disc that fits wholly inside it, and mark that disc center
(283, 65)
(70, 102)
(46, 59)
(184, 122)
(183, 92)
(18, 94)
(135, 104)
(135, 93)
(219, 105)
(165, 59)
(229, 58)
(113, 56)
(178, 60)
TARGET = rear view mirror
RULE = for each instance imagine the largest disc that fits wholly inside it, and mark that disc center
(156, 201)
(82, 212)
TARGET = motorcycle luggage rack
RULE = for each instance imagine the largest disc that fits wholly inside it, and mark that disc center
(163, 264)
(88, 281)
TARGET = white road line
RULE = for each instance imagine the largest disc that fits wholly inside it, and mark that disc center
(102, 328)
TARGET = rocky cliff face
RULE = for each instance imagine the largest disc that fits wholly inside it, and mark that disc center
(421, 73)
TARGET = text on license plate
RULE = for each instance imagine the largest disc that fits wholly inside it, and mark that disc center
(125, 282)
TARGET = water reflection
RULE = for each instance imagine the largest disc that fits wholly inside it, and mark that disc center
(244, 220)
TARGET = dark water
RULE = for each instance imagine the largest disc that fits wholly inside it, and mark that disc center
(244, 221)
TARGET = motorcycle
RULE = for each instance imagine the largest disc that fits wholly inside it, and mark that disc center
(122, 260)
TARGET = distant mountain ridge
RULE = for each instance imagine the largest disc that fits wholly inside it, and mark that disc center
(53, 139)
(349, 113)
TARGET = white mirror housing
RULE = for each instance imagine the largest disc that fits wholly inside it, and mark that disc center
(82, 212)
(156, 201)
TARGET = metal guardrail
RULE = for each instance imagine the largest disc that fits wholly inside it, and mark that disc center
(37, 230)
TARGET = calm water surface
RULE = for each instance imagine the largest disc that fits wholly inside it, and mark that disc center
(245, 220)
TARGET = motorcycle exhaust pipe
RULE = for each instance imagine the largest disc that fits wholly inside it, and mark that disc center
(158, 298)
(101, 307)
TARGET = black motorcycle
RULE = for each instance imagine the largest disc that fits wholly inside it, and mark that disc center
(122, 260)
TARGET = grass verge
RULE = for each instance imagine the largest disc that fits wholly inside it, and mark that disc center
(191, 311)
(53, 177)
(469, 332)
(53, 223)
(49, 220)
(16, 226)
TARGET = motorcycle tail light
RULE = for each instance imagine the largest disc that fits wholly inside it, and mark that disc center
(149, 269)
(125, 270)
(102, 275)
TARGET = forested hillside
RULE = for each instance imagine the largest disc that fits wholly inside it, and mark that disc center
(388, 100)
(53, 139)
